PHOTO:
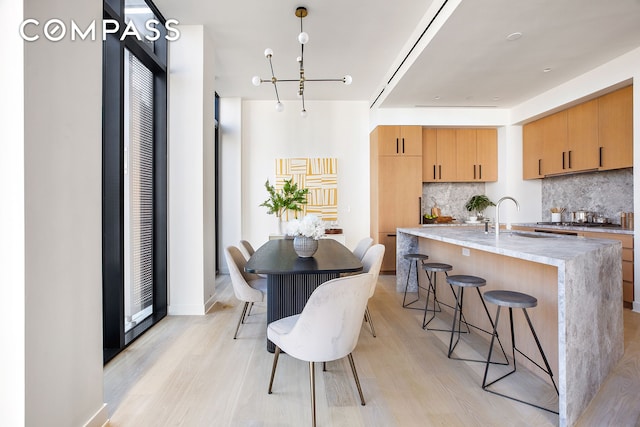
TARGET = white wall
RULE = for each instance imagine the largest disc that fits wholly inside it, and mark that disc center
(230, 197)
(191, 126)
(332, 129)
(63, 220)
(12, 262)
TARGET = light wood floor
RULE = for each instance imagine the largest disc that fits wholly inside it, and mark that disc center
(188, 371)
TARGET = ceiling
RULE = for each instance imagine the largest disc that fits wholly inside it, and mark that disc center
(463, 59)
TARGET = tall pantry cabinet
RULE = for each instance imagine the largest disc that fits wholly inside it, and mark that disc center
(396, 185)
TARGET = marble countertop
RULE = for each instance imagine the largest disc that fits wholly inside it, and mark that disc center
(612, 230)
(551, 249)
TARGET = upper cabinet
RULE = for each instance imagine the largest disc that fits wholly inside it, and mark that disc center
(399, 140)
(459, 155)
(615, 129)
(594, 135)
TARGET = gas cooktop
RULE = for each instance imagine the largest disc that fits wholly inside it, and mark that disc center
(581, 224)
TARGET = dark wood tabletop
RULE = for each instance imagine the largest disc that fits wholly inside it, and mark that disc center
(278, 257)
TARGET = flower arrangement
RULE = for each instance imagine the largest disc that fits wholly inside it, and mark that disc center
(309, 226)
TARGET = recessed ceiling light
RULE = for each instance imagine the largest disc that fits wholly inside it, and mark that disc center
(514, 36)
(496, 98)
(436, 97)
(546, 70)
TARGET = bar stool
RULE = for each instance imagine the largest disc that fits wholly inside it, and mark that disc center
(512, 299)
(413, 259)
(431, 268)
(465, 281)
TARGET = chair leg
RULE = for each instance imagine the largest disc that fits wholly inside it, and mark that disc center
(367, 317)
(355, 376)
(241, 320)
(273, 369)
(249, 310)
(312, 382)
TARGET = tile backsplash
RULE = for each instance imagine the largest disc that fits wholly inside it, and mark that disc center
(606, 193)
(450, 196)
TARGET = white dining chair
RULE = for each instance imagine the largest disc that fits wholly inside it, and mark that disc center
(247, 287)
(371, 263)
(247, 248)
(362, 246)
(326, 330)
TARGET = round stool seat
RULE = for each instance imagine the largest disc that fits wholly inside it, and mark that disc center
(466, 281)
(416, 256)
(436, 266)
(510, 299)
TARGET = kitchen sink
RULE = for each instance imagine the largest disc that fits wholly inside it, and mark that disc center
(534, 235)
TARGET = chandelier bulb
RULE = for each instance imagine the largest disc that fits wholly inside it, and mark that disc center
(256, 80)
(303, 113)
(303, 37)
(299, 59)
(279, 107)
(347, 79)
(268, 53)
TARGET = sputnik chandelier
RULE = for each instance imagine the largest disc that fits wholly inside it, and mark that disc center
(303, 38)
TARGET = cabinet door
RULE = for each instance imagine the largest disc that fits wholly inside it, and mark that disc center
(410, 141)
(446, 154)
(554, 143)
(429, 155)
(615, 120)
(389, 258)
(532, 150)
(487, 154)
(582, 137)
(466, 166)
(399, 190)
(388, 140)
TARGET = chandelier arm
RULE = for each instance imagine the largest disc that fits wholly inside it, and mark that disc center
(324, 80)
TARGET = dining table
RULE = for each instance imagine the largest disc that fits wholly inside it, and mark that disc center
(291, 279)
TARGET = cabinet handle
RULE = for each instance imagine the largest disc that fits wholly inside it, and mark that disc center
(434, 171)
(474, 171)
(391, 235)
(563, 160)
(480, 169)
(402, 145)
(569, 155)
(600, 154)
(396, 145)
(539, 167)
(439, 171)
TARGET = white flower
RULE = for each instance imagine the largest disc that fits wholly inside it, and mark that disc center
(309, 226)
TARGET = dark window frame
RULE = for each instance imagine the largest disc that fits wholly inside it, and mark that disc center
(114, 337)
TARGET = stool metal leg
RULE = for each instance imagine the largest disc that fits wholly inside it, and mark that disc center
(513, 351)
(406, 286)
(433, 282)
(461, 320)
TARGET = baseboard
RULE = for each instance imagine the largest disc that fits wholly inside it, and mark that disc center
(636, 306)
(185, 310)
(99, 419)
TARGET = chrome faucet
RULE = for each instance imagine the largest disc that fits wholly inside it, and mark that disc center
(498, 211)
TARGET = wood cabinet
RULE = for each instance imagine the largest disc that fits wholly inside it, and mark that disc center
(554, 143)
(593, 135)
(396, 186)
(439, 155)
(582, 137)
(615, 129)
(459, 155)
(400, 140)
(532, 150)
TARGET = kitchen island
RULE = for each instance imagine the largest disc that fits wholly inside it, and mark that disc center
(577, 282)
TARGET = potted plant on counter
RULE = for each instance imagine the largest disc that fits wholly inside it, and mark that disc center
(478, 204)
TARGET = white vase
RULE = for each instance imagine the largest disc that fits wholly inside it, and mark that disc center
(305, 246)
